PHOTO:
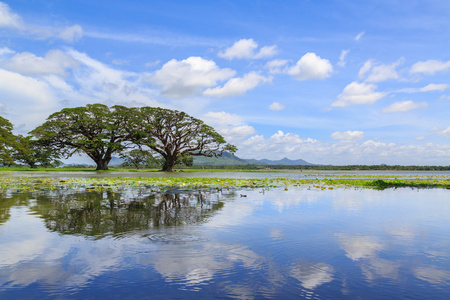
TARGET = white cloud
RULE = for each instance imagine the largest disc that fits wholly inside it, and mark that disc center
(342, 62)
(238, 86)
(343, 152)
(359, 36)
(5, 51)
(222, 119)
(187, 77)
(266, 51)
(357, 94)
(71, 34)
(55, 62)
(237, 133)
(245, 48)
(430, 67)
(311, 66)
(8, 18)
(348, 135)
(152, 63)
(446, 132)
(276, 106)
(28, 101)
(275, 66)
(404, 106)
(277, 146)
(381, 72)
(365, 68)
(435, 87)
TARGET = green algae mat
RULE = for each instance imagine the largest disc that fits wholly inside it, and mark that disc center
(29, 183)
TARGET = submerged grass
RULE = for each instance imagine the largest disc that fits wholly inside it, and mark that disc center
(163, 183)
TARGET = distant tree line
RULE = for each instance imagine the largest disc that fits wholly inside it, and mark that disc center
(141, 136)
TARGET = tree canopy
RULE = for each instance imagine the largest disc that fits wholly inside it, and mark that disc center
(95, 130)
(7, 141)
(174, 134)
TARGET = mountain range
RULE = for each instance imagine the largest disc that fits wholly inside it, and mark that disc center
(229, 159)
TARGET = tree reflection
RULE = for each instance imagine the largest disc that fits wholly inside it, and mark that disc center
(8, 200)
(98, 214)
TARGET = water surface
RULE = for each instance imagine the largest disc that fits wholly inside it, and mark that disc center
(233, 244)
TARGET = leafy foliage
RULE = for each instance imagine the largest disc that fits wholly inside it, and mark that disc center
(140, 158)
(35, 153)
(95, 130)
(173, 134)
(7, 141)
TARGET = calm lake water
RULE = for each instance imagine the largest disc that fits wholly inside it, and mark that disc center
(236, 244)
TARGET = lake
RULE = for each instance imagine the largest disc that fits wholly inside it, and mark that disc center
(341, 243)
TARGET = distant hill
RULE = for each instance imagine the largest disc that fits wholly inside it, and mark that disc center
(285, 161)
(229, 159)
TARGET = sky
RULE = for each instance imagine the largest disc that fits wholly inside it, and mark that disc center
(331, 82)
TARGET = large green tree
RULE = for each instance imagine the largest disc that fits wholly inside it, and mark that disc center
(7, 142)
(174, 134)
(97, 130)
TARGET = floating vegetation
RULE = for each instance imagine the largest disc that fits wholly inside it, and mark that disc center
(157, 184)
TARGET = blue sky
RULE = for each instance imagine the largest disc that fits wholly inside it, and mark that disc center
(330, 82)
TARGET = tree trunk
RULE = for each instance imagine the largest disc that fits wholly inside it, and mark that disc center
(102, 164)
(169, 163)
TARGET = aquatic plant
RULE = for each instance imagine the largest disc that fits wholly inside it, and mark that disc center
(30, 183)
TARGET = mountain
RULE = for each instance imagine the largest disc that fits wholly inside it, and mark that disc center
(229, 159)
(285, 161)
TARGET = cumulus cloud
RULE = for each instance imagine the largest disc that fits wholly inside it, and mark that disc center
(187, 77)
(430, 67)
(276, 106)
(276, 66)
(238, 86)
(310, 67)
(348, 135)
(8, 18)
(55, 62)
(342, 62)
(357, 94)
(435, 87)
(222, 119)
(344, 152)
(404, 106)
(245, 49)
(28, 101)
(33, 87)
(237, 133)
(379, 72)
(278, 145)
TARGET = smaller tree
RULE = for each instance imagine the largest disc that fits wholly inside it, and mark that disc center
(34, 153)
(7, 142)
(173, 134)
(139, 158)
